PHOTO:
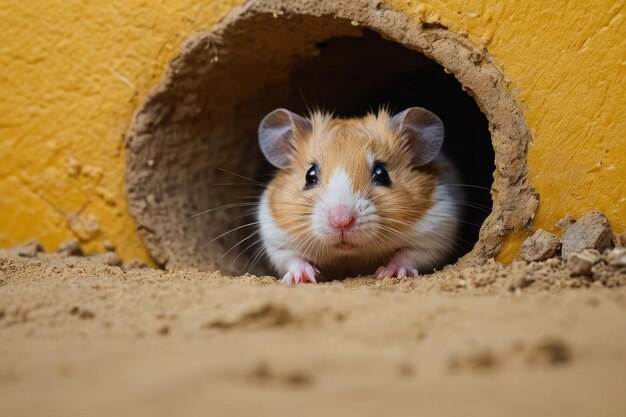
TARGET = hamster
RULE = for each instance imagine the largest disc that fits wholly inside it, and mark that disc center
(360, 196)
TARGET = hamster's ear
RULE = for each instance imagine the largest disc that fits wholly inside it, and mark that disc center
(277, 135)
(422, 132)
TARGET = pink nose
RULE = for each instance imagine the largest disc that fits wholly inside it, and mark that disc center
(341, 217)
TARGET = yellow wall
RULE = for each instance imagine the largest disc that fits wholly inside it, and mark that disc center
(73, 72)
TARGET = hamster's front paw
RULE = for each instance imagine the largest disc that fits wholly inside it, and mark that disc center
(400, 266)
(300, 272)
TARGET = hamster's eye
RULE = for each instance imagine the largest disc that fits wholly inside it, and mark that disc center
(311, 176)
(380, 176)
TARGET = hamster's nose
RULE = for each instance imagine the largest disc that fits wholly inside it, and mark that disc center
(341, 217)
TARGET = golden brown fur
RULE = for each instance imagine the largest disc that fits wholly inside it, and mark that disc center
(344, 143)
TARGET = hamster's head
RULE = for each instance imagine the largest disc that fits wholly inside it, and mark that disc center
(349, 186)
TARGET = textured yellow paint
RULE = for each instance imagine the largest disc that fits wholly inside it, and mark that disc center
(71, 75)
(73, 72)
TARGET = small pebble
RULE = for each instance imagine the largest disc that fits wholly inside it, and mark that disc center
(592, 231)
(582, 262)
(540, 246)
(565, 223)
(108, 246)
(107, 258)
(69, 248)
(616, 257)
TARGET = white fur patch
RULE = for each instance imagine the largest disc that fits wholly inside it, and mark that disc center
(275, 240)
(339, 190)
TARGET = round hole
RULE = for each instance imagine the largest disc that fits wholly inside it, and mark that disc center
(192, 150)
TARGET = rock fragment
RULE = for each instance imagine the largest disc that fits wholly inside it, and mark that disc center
(540, 246)
(134, 264)
(592, 231)
(107, 258)
(581, 263)
(69, 248)
(616, 257)
(26, 250)
(565, 223)
(108, 246)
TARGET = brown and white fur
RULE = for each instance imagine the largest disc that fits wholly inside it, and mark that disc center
(346, 223)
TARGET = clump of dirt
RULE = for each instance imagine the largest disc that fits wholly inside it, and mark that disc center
(265, 315)
(264, 374)
(549, 351)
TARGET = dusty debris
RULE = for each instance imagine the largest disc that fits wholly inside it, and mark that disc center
(580, 263)
(592, 231)
(540, 246)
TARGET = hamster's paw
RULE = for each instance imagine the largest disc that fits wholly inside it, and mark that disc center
(400, 266)
(393, 270)
(300, 272)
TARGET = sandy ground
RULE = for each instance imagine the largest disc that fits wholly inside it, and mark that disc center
(81, 338)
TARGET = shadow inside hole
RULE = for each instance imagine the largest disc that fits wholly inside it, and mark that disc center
(353, 76)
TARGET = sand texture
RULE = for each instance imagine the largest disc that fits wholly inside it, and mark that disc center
(78, 337)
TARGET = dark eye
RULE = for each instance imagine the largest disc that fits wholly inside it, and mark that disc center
(380, 176)
(311, 176)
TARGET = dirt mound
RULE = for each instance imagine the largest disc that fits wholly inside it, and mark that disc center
(80, 337)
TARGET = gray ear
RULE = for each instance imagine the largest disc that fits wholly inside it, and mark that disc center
(423, 132)
(277, 135)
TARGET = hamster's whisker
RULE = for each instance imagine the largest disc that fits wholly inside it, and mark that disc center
(414, 240)
(387, 241)
(403, 200)
(259, 183)
(225, 206)
(441, 215)
(237, 244)
(256, 257)
(398, 233)
(317, 252)
(399, 201)
(301, 244)
(480, 187)
(244, 226)
(234, 229)
(228, 221)
(250, 204)
(256, 242)
(263, 186)
(308, 247)
(446, 215)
